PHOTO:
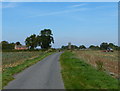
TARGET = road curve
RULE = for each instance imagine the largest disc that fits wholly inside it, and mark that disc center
(43, 75)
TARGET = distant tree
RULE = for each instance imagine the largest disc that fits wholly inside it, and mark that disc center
(74, 47)
(104, 46)
(82, 47)
(7, 46)
(64, 47)
(11, 45)
(4, 42)
(94, 47)
(31, 41)
(18, 43)
(45, 38)
(111, 45)
(91, 46)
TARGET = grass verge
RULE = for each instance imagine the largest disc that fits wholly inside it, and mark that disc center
(7, 74)
(79, 75)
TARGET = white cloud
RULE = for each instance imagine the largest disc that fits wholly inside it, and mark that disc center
(60, 12)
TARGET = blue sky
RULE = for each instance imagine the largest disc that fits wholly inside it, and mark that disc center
(76, 22)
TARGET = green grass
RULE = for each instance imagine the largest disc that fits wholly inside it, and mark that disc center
(79, 75)
(8, 73)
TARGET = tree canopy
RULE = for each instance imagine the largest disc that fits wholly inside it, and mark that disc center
(44, 39)
(31, 41)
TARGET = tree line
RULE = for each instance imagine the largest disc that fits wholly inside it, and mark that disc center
(43, 40)
(103, 46)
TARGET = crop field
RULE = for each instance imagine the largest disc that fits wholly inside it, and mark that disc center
(107, 60)
(11, 59)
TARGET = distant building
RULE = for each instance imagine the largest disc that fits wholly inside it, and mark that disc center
(20, 47)
(69, 45)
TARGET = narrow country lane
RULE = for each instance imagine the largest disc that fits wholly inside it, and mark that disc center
(43, 75)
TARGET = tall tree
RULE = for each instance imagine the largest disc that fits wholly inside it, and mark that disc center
(31, 41)
(45, 39)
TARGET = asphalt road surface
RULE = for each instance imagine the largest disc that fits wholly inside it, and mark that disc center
(43, 75)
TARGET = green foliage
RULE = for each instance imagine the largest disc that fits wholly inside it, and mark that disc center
(31, 41)
(82, 47)
(72, 47)
(104, 46)
(64, 47)
(43, 40)
(46, 38)
(79, 75)
(7, 46)
(94, 47)
(111, 45)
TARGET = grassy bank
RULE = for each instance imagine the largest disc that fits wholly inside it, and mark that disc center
(8, 73)
(79, 75)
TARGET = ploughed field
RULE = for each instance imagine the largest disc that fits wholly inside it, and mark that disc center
(11, 59)
(107, 60)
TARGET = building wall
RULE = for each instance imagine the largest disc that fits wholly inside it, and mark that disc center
(18, 47)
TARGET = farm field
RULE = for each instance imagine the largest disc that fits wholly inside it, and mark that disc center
(108, 60)
(77, 74)
(11, 59)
